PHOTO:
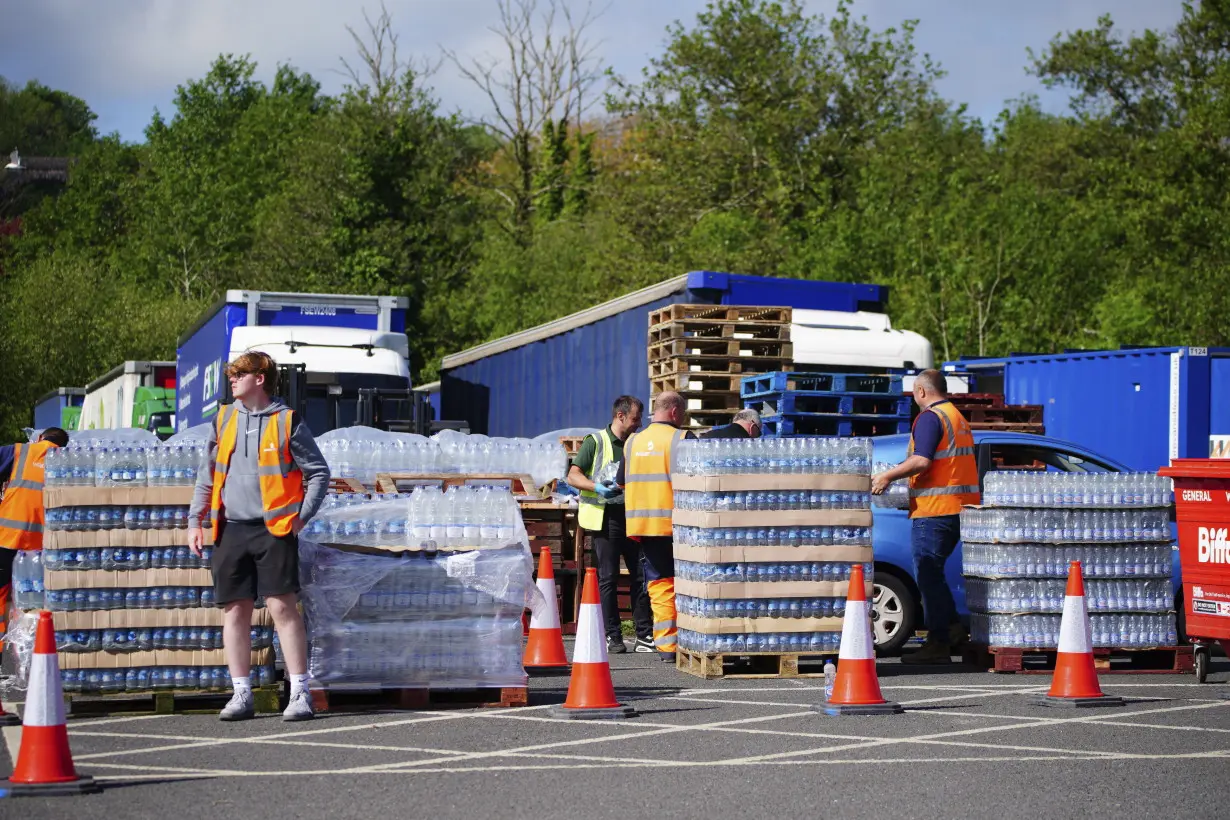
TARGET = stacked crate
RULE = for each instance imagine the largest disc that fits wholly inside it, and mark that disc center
(132, 607)
(762, 593)
(554, 526)
(987, 411)
(827, 404)
(702, 352)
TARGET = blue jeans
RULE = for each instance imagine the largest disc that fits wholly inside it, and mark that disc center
(933, 541)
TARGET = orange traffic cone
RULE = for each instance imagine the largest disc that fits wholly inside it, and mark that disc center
(45, 763)
(591, 693)
(857, 689)
(544, 649)
(1076, 680)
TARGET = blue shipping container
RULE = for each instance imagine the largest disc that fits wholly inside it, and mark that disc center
(49, 411)
(1140, 406)
(566, 373)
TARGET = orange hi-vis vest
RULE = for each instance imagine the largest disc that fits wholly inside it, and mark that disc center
(648, 497)
(21, 513)
(280, 478)
(952, 479)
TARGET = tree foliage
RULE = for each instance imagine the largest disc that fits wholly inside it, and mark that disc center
(760, 140)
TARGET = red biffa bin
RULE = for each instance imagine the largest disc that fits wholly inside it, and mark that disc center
(1202, 506)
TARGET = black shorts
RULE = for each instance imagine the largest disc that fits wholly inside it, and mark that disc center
(249, 561)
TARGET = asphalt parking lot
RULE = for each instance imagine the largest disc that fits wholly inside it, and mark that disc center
(969, 745)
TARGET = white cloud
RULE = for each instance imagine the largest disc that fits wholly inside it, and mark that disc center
(126, 56)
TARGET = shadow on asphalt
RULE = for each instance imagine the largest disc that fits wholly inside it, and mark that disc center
(118, 785)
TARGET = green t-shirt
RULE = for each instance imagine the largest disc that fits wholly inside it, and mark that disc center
(589, 451)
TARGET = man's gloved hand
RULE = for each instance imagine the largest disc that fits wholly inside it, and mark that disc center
(605, 491)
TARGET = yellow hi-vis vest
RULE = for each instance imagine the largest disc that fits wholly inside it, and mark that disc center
(952, 479)
(589, 515)
(281, 479)
(648, 497)
(21, 513)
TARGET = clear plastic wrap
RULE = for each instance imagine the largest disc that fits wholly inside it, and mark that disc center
(417, 618)
(18, 648)
(774, 456)
(1042, 631)
(1013, 597)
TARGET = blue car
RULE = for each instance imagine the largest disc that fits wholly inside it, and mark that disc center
(897, 609)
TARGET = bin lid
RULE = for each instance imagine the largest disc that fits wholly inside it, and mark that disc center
(1197, 468)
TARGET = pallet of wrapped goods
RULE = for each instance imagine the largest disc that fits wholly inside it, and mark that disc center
(766, 533)
(417, 594)
(1018, 548)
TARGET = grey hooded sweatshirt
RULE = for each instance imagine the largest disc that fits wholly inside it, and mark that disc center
(241, 495)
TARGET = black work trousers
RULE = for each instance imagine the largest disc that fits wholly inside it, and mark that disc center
(610, 544)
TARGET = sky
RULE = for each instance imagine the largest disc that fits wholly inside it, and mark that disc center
(126, 57)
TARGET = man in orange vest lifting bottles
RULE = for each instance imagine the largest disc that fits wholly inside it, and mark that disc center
(943, 477)
(265, 479)
(21, 511)
(649, 500)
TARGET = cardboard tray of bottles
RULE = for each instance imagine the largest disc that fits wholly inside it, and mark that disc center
(768, 554)
(156, 617)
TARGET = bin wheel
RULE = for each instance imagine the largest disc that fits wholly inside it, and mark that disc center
(1201, 661)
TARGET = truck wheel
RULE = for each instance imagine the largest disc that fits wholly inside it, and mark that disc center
(1200, 659)
(893, 609)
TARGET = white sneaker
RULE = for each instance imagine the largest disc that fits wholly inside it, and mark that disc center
(239, 707)
(299, 708)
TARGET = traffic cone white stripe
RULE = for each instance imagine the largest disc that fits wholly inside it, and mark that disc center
(1075, 632)
(591, 641)
(856, 642)
(545, 615)
(45, 696)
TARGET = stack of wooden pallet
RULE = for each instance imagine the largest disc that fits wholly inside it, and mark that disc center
(987, 411)
(703, 351)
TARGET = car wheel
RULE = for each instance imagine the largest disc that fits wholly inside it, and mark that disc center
(893, 609)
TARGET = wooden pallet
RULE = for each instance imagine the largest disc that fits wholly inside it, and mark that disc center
(721, 313)
(168, 702)
(694, 381)
(364, 700)
(790, 403)
(722, 348)
(738, 366)
(572, 444)
(346, 485)
(963, 400)
(1010, 414)
(704, 401)
(752, 665)
(1166, 660)
(1036, 429)
(519, 485)
(705, 329)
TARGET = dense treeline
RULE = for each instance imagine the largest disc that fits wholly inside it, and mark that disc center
(762, 140)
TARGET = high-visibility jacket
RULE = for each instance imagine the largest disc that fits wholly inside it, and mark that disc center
(648, 497)
(589, 514)
(952, 479)
(281, 479)
(21, 513)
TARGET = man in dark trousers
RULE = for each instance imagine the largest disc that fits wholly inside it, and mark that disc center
(745, 424)
(943, 475)
(602, 514)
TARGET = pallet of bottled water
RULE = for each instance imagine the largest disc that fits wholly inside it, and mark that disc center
(459, 518)
(1019, 544)
(766, 532)
(362, 453)
(134, 608)
(421, 591)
